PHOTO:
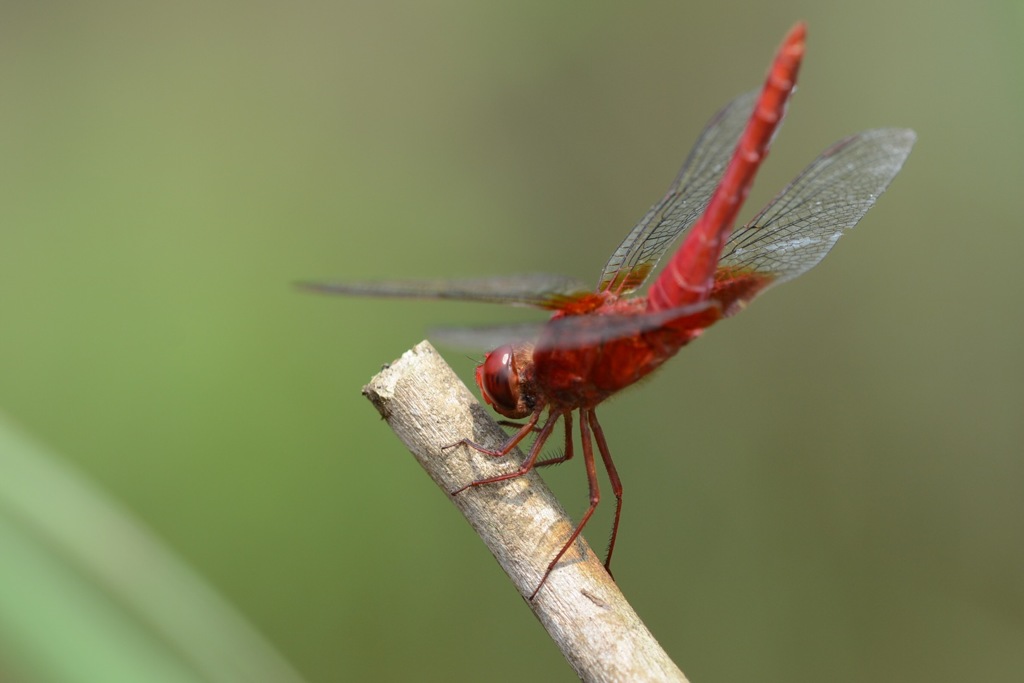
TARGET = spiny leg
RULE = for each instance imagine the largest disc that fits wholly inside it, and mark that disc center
(527, 465)
(595, 495)
(613, 477)
(507, 447)
(513, 424)
(567, 453)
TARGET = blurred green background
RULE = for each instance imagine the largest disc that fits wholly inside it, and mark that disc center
(828, 487)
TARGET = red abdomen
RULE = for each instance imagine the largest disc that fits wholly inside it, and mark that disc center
(689, 276)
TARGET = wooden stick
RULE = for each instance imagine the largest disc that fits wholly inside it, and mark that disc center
(519, 520)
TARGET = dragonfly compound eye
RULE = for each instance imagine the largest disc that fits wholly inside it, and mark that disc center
(498, 378)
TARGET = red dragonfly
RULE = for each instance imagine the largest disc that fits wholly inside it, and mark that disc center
(599, 342)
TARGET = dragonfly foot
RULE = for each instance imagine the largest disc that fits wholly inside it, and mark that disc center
(460, 442)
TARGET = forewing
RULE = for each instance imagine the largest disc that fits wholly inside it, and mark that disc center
(795, 231)
(577, 331)
(581, 331)
(685, 200)
(537, 289)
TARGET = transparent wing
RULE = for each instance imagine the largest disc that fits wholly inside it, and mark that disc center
(540, 290)
(584, 331)
(685, 200)
(578, 331)
(794, 232)
(486, 337)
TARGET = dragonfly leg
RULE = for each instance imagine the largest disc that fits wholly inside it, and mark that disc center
(567, 453)
(595, 495)
(528, 464)
(613, 477)
(510, 423)
(506, 448)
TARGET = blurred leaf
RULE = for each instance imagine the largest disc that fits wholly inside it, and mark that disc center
(88, 594)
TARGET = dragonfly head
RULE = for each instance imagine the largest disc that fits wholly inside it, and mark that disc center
(498, 379)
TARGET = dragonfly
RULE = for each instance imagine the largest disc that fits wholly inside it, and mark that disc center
(599, 341)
